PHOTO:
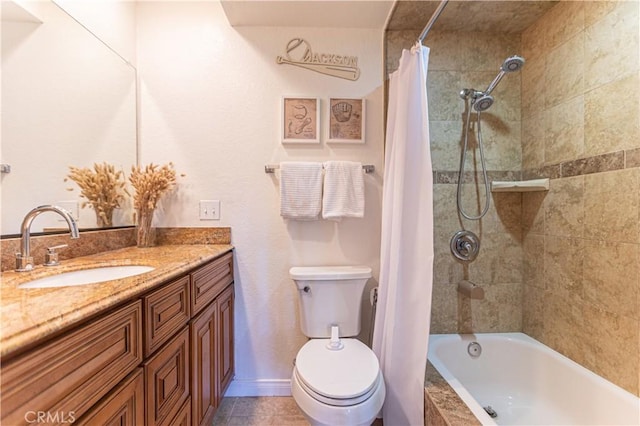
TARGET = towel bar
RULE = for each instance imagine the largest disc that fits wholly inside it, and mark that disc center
(271, 168)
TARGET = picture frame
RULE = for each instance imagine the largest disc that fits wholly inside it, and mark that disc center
(347, 120)
(300, 119)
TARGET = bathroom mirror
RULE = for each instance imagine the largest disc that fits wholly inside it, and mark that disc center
(68, 99)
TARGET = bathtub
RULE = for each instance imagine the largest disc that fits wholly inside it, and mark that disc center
(527, 383)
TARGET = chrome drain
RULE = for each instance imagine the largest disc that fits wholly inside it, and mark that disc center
(474, 349)
(490, 411)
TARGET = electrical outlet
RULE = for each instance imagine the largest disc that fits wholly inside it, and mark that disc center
(209, 209)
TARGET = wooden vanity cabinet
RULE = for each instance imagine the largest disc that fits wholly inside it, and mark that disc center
(165, 358)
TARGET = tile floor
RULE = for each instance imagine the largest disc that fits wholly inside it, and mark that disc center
(262, 410)
(259, 411)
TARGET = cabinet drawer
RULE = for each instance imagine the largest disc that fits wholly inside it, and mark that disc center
(124, 406)
(167, 380)
(208, 281)
(73, 372)
(165, 312)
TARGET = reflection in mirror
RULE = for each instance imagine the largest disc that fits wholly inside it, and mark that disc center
(67, 100)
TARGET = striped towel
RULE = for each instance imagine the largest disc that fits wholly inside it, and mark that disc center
(300, 190)
(343, 190)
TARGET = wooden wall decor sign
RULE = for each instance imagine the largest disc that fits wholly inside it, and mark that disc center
(300, 54)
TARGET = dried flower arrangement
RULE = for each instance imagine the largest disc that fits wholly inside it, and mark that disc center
(103, 187)
(149, 183)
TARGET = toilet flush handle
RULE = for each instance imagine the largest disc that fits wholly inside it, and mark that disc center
(334, 343)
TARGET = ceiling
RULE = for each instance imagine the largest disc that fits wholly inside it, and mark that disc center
(308, 13)
(459, 15)
(469, 15)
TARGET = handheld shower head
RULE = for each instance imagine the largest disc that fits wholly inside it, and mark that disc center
(511, 64)
(482, 103)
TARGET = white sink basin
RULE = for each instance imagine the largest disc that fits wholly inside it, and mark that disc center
(87, 276)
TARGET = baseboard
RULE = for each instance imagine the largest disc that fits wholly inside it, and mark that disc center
(247, 387)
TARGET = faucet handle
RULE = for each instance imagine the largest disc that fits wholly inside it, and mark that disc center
(23, 263)
(51, 257)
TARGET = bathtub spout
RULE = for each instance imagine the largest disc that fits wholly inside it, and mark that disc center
(470, 289)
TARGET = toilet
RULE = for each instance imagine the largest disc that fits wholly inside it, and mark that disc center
(336, 379)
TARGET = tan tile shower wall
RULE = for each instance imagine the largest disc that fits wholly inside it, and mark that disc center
(581, 240)
(462, 60)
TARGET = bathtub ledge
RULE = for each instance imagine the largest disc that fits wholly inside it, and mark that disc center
(442, 404)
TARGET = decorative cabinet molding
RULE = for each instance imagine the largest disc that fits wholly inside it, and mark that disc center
(204, 392)
(123, 407)
(166, 311)
(212, 356)
(225, 340)
(209, 280)
(167, 384)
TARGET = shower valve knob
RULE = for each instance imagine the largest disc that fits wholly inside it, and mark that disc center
(465, 246)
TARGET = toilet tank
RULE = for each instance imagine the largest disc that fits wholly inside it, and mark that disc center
(330, 295)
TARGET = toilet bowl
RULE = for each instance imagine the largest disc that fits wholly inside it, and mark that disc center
(338, 387)
(336, 379)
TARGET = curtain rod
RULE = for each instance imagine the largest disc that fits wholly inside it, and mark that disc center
(432, 20)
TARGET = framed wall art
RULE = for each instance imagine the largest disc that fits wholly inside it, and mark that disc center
(300, 120)
(346, 120)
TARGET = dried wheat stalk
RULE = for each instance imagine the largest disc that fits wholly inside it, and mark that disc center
(103, 188)
(150, 183)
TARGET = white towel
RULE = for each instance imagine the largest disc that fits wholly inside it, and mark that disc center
(343, 190)
(300, 190)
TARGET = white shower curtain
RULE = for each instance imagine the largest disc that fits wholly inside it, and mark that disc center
(401, 330)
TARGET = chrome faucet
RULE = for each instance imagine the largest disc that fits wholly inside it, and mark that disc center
(24, 261)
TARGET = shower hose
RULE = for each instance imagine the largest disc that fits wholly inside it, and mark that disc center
(463, 159)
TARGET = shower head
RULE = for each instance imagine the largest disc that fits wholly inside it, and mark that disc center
(482, 103)
(511, 64)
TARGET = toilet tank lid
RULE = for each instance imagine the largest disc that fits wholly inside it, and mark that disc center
(329, 272)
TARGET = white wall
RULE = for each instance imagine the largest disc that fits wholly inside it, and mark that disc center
(112, 21)
(210, 97)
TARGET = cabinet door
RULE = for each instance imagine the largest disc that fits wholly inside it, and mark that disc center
(225, 339)
(204, 392)
(67, 376)
(183, 418)
(124, 406)
(167, 380)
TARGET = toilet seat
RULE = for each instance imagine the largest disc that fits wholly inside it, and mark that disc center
(338, 377)
(338, 402)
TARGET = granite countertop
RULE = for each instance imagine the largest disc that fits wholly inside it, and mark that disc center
(29, 315)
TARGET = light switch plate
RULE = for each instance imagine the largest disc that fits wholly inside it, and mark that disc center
(209, 209)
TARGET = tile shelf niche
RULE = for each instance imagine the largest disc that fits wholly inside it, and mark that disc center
(520, 185)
